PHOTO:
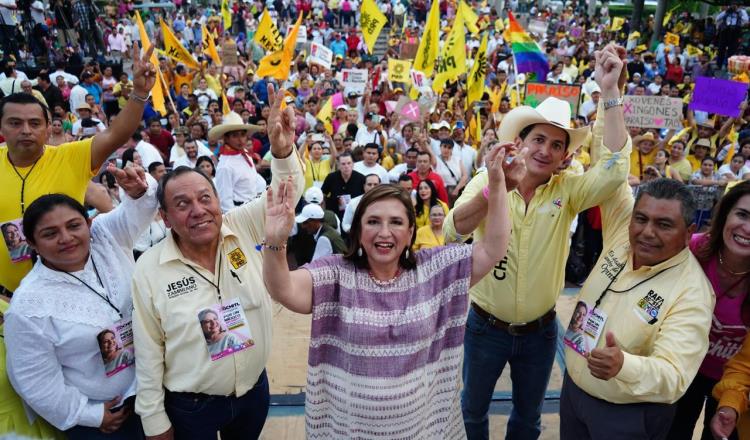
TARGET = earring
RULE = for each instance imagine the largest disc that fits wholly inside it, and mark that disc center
(359, 252)
(407, 253)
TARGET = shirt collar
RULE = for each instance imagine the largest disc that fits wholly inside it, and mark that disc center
(666, 264)
(171, 251)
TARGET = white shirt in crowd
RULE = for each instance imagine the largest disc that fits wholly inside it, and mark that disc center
(70, 79)
(77, 97)
(156, 232)
(54, 361)
(149, 153)
(184, 161)
(237, 181)
(450, 170)
(323, 246)
(363, 169)
(178, 151)
(726, 169)
(78, 130)
(346, 222)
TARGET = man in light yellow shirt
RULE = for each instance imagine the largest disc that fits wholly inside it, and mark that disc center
(207, 266)
(513, 308)
(649, 313)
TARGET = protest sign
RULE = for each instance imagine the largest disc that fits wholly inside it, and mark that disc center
(398, 71)
(321, 55)
(538, 27)
(653, 112)
(301, 36)
(719, 96)
(538, 92)
(672, 39)
(354, 80)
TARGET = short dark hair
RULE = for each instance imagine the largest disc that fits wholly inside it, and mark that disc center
(153, 166)
(45, 204)
(345, 154)
(23, 98)
(160, 192)
(404, 178)
(526, 130)
(371, 145)
(152, 120)
(669, 189)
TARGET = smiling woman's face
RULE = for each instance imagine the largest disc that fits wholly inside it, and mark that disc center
(62, 238)
(385, 232)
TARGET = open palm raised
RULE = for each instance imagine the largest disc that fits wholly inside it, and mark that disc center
(279, 212)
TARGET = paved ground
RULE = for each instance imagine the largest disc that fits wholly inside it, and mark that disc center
(288, 364)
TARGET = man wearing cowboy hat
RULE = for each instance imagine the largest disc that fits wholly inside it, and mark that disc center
(512, 316)
(237, 181)
(643, 155)
(84, 111)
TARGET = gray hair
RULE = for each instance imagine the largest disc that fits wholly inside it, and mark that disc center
(669, 189)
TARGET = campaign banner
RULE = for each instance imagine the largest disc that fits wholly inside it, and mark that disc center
(538, 27)
(718, 96)
(420, 81)
(354, 80)
(320, 55)
(398, 71)
(653, 112)
(538, 92)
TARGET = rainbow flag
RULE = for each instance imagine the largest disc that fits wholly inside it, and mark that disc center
(527, 54)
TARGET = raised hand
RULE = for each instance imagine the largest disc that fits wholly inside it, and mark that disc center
(281, 124)
(144, 73)
(279, 212)
(609, 68)
(495, 173)
(131, 179)
(514, 166)
(723, 423)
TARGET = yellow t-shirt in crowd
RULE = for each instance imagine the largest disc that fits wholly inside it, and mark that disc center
(426, 238)
(316, 172)
(424, 218)
(62, 169)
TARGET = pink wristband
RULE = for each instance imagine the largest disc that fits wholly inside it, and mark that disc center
(486, 192)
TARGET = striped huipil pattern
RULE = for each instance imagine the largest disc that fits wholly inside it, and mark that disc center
(385, 360)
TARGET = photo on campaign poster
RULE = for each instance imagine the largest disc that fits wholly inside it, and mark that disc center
(585, 328)
(15, 241)
(116, 347)
(225, 329)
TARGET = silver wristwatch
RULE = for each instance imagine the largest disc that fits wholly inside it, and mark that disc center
(608, 104)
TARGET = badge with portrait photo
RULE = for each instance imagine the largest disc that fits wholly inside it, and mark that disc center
(585, 328)
(18, 249)
(116, 346)
(225, 329)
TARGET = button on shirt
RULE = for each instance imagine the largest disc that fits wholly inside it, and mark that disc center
(526, 283)
(170, 347)
(662, 356)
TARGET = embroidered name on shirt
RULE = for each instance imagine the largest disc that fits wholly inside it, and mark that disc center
(237, 258)
(651, 304)
(611, 265)
(181, 287)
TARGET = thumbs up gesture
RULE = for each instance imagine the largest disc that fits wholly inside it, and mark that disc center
(604, 363)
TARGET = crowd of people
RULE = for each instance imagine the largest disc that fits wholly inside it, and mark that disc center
(159, 202)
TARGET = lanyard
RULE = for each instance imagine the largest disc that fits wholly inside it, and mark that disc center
(218, 278)
(104, 297)
(608, 288)
(23, 179)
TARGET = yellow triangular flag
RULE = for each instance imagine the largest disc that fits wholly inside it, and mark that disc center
(224, 104)
(371, 22)
(268, 35)
(470, 17)
(226, 15)
(276, 64)
(428, 48)
(174, 49)
(452, 62)
(157, 94)
(475, 81)
(325, 115)
(209, 48)
(617, 23)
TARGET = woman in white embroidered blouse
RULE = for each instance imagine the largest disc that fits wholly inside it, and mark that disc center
(79, 288)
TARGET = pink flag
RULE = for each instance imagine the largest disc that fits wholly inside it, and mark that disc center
(337, 100)
(410, 111)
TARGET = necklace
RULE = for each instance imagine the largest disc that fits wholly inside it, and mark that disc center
(731, 272)
(23, 178)
(384, 282)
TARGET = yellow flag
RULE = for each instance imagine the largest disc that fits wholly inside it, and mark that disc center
(325, 115)
(226, 14)
(268, 35)
(667, 16)
(398, 71)
(276, 64)
(224, 104)
(174, 49)
(693, 51)
(452, 62)
(428, 48)
(475, 81)
(209, 48)
(470, 17)
(157, 94)
(617, 23)
(371, 21)
(671, 38)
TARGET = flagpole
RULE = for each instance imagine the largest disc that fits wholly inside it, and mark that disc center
(166, 89)
(515, 80)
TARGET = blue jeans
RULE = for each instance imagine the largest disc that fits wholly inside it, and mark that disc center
(199, 416)
(486, 351)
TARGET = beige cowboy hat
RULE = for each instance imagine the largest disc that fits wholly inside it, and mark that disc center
(647, 137)
(551, 111)
(231, 122)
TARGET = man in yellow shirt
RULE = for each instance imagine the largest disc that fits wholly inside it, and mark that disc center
(512, 318)
(30, 169)
(649, 311)
(643, 155)
(207, 266)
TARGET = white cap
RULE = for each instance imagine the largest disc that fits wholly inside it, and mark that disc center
(310, 212)
(313, 195)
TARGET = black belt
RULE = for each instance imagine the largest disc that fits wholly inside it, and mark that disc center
(515, 329)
